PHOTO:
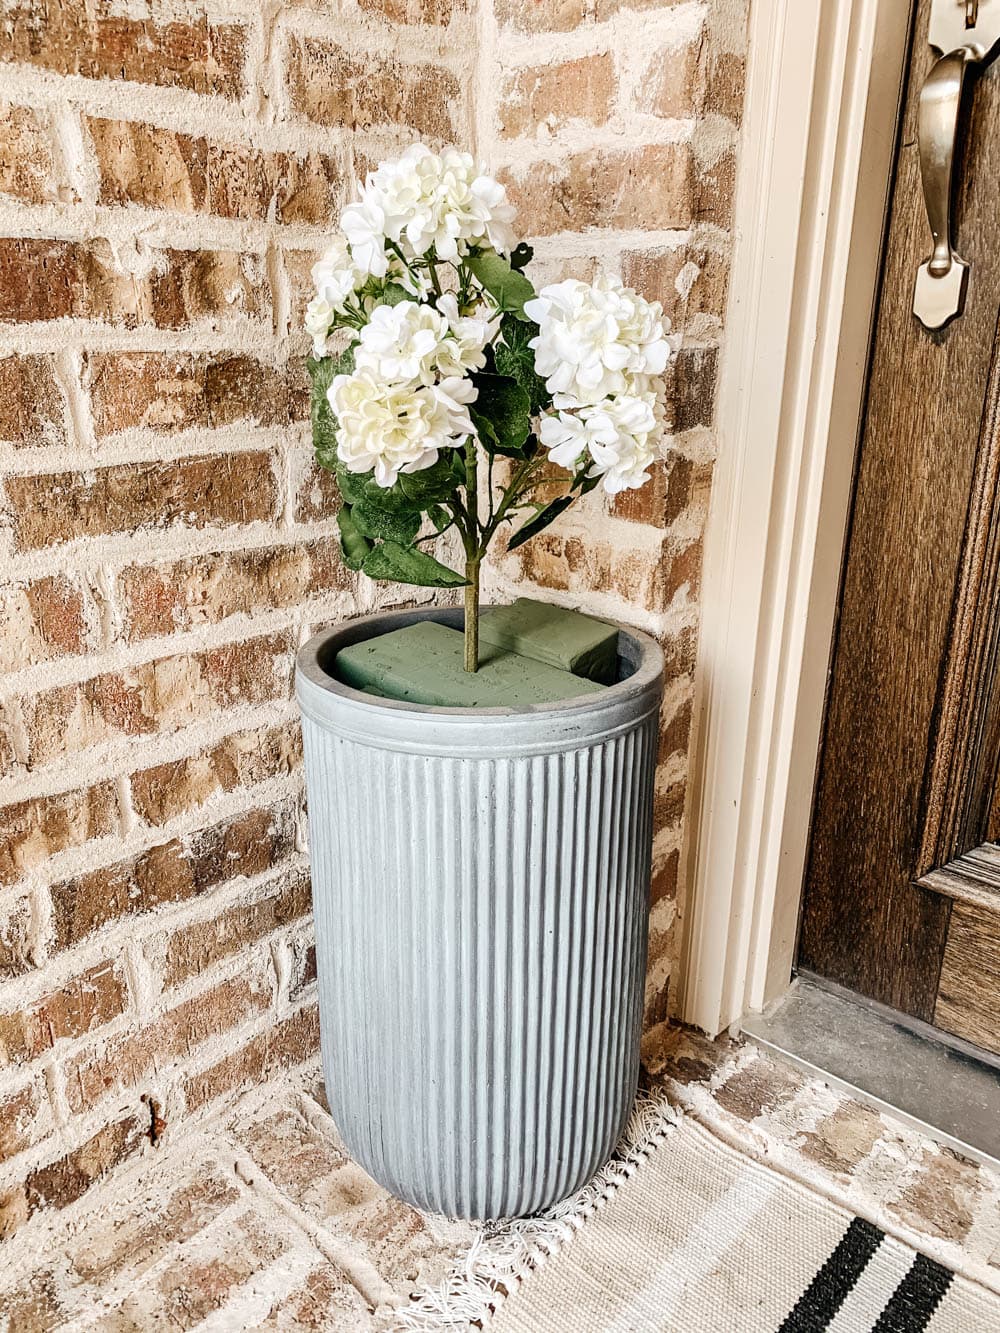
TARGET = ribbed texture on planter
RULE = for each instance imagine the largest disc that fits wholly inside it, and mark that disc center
(481, 892)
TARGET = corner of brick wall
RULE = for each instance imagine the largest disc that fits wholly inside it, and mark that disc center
(615, 126)
(167, 176)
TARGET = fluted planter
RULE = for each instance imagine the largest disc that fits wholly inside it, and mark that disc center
(480, 882)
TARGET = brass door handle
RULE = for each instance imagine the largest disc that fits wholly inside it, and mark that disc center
(967, 31)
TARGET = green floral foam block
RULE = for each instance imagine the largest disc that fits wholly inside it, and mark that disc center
(423, 664)
(552, 634)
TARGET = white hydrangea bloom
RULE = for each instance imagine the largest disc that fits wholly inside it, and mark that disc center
(392, 428)
(465, 349)
(619, 435)
(336, 276)
(364, 225)
(320, 314)
(418, 342)
(427, 199)
(402, 342)
(595, 338)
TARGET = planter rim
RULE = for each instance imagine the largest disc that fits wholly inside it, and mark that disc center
(397, 724)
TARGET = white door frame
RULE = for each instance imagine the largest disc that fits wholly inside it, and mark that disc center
(823, 88)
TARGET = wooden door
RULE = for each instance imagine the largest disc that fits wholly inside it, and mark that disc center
(902, 892)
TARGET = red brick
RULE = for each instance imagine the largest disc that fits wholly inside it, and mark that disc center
(162, 793)
(332, 87)
(68, 1179)
(163, 391)
(571, 564)
(159, 168)
(534, 16)
(303, 968)
(15, 938)
(32, 411)
(37, 1303)
(684, 572)
(195, 948)
(213, 286)
(52, 279)
(673, 84)
(190, 492)
(199, 1282)
(288, 1043)
(647, 188)
(726, 80)
(202, 590)
(664, 881)
(144, 164)
(691, 387)
(157, 696)
(37, 829)
(762, 1085)
(70, 37)
(655, 273)
(86, 1002)
(316, 496)
(714, 189)
(244, 183)
(48, 279)
(42, 620)
(181, 869)
(844, 1139)
(18, 1113)
(664, 497)
(674, 734)
(27, 167)
(126, 1059)
(556, 95)
(437, 13)
(111, 1245)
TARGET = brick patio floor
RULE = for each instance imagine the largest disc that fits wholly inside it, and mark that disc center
(258, 1220)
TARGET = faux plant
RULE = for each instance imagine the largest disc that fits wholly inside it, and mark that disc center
(434, 358)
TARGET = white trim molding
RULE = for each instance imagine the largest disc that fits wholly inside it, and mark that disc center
(823, 91)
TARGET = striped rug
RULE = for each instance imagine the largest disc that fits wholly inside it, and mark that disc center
(684, 1234)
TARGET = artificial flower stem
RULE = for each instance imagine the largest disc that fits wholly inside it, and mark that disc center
(473, 555)
(472, 614)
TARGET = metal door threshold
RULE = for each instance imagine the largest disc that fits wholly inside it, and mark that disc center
(951, 1096)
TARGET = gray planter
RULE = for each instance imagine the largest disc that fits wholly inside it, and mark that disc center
(480, 882)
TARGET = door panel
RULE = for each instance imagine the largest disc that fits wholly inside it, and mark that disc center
(908, 765)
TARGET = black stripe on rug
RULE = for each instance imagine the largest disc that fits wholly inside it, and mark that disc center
(831, 1286)
(915, 1299)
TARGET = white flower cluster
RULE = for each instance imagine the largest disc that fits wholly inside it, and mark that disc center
(409, 393)
(601, 350)
(424, 201)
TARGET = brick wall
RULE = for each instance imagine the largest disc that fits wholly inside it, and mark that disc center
(615, 126)
(167, 174)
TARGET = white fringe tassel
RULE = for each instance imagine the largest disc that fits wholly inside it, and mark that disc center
(503, 1254)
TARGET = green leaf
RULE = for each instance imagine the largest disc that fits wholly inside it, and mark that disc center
(362, 488)
(385, 524)
(322, 371)
(502, 414)
(405, 564)
(521, 256)
(508, 288)
(440, 518)
(431, 484)
(515, 358)
(354, 547)
(546, 515)
(393, 293)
